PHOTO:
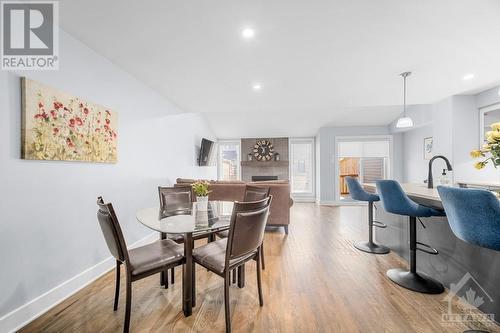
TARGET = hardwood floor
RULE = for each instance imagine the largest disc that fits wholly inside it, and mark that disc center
(315, 281)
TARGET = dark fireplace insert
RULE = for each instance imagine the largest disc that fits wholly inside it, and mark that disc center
(263, 178)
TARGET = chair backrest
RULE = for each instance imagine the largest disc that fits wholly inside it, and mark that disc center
(175, 200)
(357, 192)
(111, 230)
(473, 215)
(246, 231)
(256, 193)
(395, 200)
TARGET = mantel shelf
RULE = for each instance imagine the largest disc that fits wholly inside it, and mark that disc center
(265, 163)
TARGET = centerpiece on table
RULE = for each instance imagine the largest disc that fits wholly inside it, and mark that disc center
(201, 190)
(490, 150)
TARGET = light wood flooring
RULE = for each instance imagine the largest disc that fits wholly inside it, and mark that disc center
(315, 281)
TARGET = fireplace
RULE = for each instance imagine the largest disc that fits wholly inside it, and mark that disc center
(251, 168)
(263, 178)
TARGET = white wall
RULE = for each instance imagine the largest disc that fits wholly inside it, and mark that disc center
(415, 167)
(454, 125)
(48, 231)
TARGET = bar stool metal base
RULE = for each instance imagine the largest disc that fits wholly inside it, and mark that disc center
(371, 247)
(415, 281)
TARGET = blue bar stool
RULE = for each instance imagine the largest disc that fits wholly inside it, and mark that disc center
(395, 201)
(474, 217)
(358, 193)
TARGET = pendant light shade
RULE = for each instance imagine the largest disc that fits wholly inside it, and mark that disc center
(404, 122)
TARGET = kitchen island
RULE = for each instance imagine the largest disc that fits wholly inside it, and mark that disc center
(456, 258)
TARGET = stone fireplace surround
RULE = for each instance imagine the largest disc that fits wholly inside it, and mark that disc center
(279, 168)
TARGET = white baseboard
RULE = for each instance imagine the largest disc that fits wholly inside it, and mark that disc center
(28, 312)
(304, 199)
(342, 203)
(328, 203)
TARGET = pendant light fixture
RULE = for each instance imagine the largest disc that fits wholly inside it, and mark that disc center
(405, 121)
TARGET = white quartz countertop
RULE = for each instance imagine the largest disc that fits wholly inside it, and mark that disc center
(413, 190)
(486, 184)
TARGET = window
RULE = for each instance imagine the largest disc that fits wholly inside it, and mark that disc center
(229, 160)
(302, 166)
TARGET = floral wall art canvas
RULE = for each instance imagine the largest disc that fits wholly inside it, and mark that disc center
(59, 126)
(428, 145)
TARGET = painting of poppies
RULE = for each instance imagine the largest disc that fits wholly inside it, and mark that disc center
(58, 126)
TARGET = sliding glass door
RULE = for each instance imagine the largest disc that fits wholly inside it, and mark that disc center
(302, 167)
(229, 160)
(367, 160)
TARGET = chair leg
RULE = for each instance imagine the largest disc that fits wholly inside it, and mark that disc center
(164, 278)
(259, 283)
(172, 275)
(128, 304)
(162, 274)
(262, 256)
(234, 275)
(241, 276)
(193, 285)
(227, 278)
(117, 288)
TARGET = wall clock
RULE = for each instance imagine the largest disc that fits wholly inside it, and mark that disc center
(263, 150)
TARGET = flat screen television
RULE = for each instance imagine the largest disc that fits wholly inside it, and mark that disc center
(205, 150)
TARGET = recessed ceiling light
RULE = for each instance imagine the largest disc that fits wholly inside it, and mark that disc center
(248, 33)
(256, 87)
(468, 77)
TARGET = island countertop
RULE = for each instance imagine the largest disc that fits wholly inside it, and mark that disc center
(412, 189)
(490, 185)
(417, 192)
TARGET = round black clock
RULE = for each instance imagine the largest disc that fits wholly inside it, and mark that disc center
(263, 150)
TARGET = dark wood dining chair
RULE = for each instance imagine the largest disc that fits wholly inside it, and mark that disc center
(256, 193)
(139, 262)
(246, 232)
(176, 201)
(252, 193)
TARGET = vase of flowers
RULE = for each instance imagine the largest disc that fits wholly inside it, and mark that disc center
(490, 151)
(201, 190)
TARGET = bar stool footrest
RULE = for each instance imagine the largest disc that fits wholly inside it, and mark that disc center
(379, 224)
(427, 249)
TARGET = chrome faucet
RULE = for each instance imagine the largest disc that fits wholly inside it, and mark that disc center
(430, 182)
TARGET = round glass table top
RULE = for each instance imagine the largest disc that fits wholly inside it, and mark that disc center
(215, 216)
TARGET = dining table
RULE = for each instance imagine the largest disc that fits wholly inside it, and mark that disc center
(199, 218)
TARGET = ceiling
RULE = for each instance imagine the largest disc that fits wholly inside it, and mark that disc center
(320, 62)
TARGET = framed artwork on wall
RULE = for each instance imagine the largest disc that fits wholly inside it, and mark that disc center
(58, 126)
(428, 148)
